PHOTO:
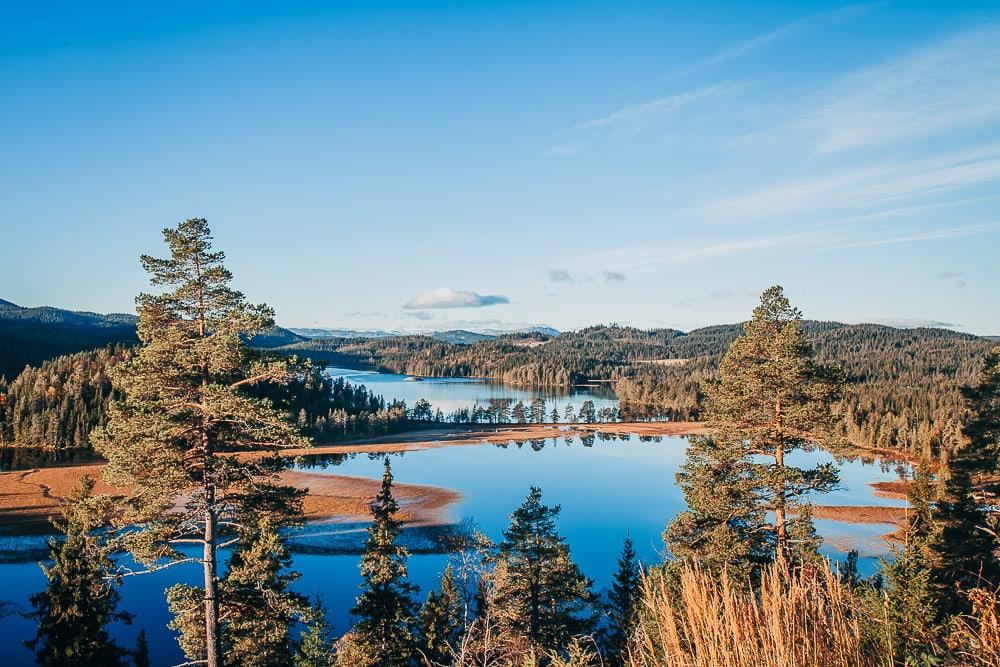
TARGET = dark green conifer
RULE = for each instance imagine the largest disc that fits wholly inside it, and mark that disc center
(623, 604)
(441, 620)
(907, 578)
(385, 610)
(537, 589)
(963, 549)
(81, 598)
(258, 604)
(724, 527)
(140, 654)
(316, 647)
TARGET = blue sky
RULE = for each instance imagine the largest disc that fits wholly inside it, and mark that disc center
(429, 165)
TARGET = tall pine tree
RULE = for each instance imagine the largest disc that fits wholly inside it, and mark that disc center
(80, 599)
(771, 399)
(184, 407)
(386, 610)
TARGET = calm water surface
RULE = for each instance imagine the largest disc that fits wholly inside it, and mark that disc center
(607, 491)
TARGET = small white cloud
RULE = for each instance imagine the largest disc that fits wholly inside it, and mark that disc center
(568, 148)
(560, 276)
(614, 277)
(446, 297)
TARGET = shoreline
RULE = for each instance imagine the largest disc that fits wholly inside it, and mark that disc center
(29, 498)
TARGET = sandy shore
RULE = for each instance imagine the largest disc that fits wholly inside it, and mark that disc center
(348, 499)
(30, 497)
(480, 435)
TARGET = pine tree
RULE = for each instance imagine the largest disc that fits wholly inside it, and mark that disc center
(536, 587)
(80, 599)
(963, 549)
(185, 405)
(771, 399)
(441, 620)
(623, 604)
(316, 647)
(140, 654)
(385, 609)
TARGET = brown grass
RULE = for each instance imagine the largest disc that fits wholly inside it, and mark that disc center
(796, 620)
(861, 514)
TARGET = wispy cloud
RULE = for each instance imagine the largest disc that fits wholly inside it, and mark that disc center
(446, 297)
(797, 27)
(930, 235)
(659, 256)
(863, 187)
(950, 84)
(727, 294)
(632, 120)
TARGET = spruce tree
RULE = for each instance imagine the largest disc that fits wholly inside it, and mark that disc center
(81, 598)
(184, 406)
(623, 604)
(536, 587)
(441, 620)
(771, 398)
(257, 602)
(386, 610)
(316, 647)
(963, 550)
(140, 654)
(907, 578)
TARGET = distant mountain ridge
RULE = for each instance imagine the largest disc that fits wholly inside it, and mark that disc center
(30, 335)
(461, 336)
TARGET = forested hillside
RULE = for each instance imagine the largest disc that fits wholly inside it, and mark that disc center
(903, 384)
(29, 336)
(58, 404)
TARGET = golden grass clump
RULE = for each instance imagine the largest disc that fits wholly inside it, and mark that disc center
(796, 619)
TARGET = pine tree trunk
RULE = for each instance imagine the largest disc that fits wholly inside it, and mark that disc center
(211, 588)
(779, 492)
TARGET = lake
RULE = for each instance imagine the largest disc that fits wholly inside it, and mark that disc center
(450, 394)
(608, 490)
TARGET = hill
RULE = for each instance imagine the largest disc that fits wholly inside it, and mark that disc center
(29, 336)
